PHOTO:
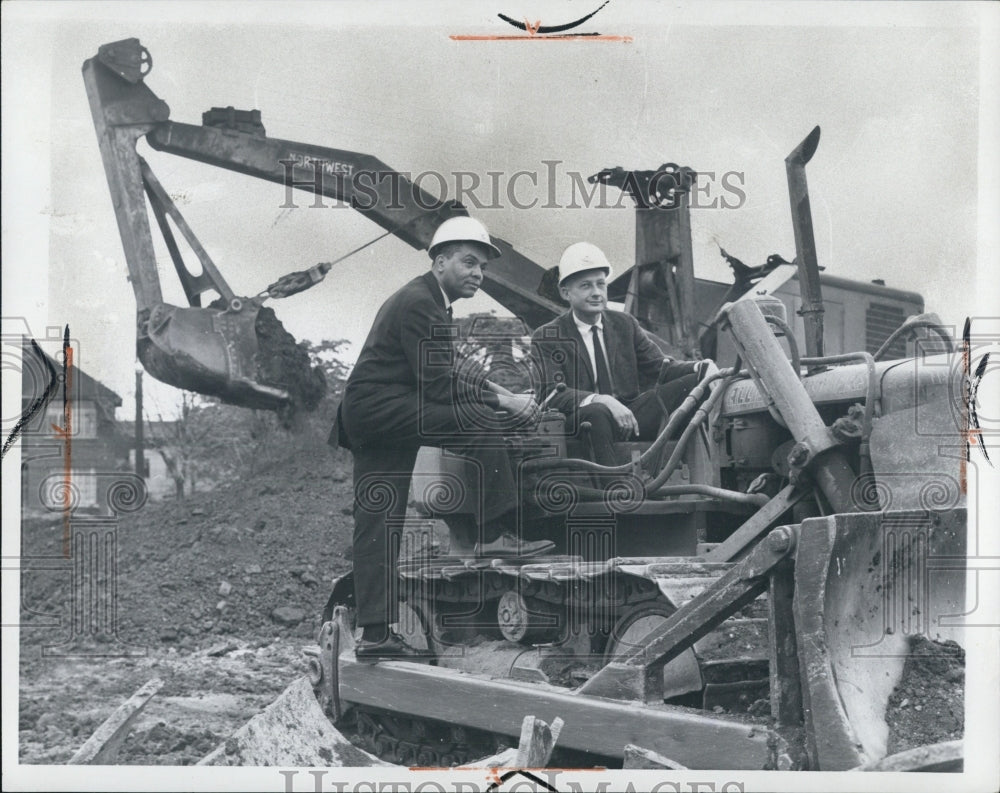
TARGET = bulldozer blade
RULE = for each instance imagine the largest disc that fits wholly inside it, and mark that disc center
(865, 584)
(208, 351)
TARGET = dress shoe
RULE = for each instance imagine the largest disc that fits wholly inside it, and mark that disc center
(509, 545)
(461, 550)
(392, 648)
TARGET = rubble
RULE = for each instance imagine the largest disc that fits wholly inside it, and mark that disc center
(288, 615)
(928, 704)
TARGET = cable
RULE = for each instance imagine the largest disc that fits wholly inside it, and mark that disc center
(906, 327)
(673, 422)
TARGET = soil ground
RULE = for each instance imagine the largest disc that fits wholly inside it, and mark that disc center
(928, 704)
(216, 595)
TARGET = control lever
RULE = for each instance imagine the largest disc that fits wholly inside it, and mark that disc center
(560, 387)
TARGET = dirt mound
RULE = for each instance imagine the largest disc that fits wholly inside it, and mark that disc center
(928, 705)
(253, 559)
(282, 363)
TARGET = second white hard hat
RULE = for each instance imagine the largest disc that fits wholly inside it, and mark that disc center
(463, 229)
(580, 257)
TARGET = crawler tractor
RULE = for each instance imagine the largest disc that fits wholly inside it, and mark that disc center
(739, 593)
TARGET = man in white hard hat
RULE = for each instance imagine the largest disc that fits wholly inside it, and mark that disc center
(405, 392)
(608, 363)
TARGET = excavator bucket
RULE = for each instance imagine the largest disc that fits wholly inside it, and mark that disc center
(234, 349)
(209, 351)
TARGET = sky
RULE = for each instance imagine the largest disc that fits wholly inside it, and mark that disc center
(895, 184)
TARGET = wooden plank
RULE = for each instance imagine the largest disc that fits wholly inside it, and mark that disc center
(593, 724)
(937, 757)
(102, 747)
(638, 758)
(538, 739)
(503, 759)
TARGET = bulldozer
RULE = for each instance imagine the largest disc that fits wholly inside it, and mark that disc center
(747, 590)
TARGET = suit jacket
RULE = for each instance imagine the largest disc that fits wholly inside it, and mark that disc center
(634, 361)
(408, 359)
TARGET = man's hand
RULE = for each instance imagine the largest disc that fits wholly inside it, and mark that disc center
(520, 406)
(705, 368)
(496, 388)
(624, 418)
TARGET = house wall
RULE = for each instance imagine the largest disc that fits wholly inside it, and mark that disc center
(96, 454)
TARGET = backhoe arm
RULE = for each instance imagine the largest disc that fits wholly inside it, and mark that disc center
(235, 140)
(233, 349)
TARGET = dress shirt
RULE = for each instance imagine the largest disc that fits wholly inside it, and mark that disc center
(588, 342)
(447, 302)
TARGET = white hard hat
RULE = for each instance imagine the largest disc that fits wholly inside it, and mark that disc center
(580, 257)
(463, 229)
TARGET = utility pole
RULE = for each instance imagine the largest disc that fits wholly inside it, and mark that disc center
(140, 450)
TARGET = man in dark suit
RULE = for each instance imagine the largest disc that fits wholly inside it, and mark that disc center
(609, 365)
(405, 392)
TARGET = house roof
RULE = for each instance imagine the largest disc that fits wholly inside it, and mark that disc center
(36, 366)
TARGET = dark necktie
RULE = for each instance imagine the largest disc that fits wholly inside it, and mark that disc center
(603, 375)
(448, 310)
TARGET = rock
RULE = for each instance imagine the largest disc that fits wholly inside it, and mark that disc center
(308, 579)
(47, 720)
(347, 511)
(225, 588)
(168, 635)
(288, 615)
(221, 605)
(226, 534)
(217, 650)
(253, 569)
(197, 511)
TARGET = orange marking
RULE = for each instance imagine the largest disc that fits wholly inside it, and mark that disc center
(66, 432)
(533, 37)
(963, 483)
(532, 30)
(497, 769)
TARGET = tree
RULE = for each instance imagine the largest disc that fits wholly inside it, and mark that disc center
(213, 443)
